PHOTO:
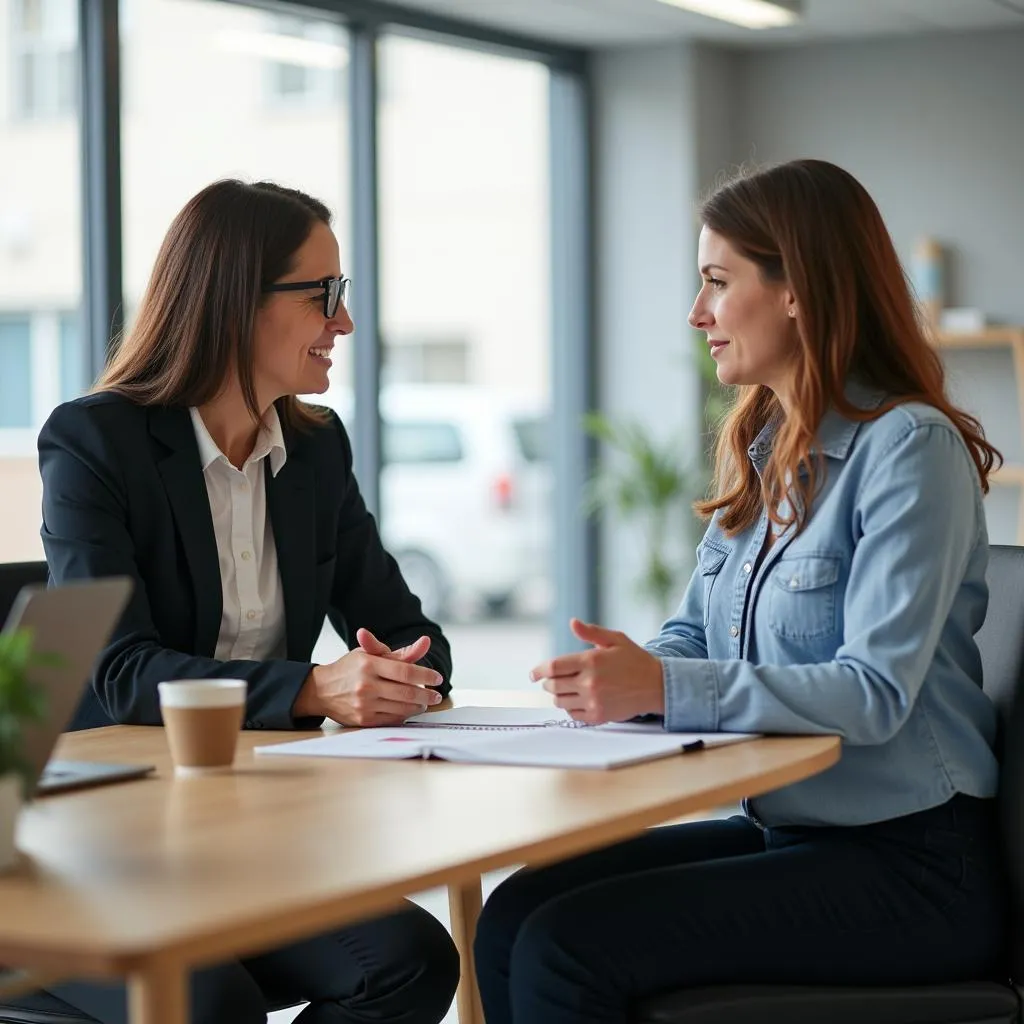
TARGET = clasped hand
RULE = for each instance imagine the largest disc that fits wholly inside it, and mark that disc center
(371, 685)
(613, 681)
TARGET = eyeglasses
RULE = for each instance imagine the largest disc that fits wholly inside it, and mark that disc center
(335, 291)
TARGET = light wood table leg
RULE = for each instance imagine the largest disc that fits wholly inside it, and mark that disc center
(158, 994)
(464, 903)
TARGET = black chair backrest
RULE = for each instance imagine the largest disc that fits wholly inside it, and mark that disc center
(14, 576)
(1001, 641)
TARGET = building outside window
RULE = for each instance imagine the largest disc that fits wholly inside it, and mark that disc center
(44, 56)
(304, 57)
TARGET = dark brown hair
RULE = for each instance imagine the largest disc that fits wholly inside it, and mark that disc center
(196, 321)
(814, 227)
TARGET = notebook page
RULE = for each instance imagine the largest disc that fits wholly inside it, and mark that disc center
(391, 744)
(346, 744)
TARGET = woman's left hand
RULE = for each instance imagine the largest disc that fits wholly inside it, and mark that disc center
(612, 682)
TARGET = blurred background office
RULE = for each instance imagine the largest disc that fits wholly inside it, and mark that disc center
(513, 185)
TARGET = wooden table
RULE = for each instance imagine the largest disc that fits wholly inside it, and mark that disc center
(149, 879)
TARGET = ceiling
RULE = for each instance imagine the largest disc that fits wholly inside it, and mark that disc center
(605, 23)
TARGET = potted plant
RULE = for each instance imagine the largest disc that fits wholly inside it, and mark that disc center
(21, 703)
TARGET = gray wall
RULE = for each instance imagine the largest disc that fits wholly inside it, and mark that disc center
(715, 96)
(933, 127)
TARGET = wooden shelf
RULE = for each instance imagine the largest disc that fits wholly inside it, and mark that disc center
(990, 337)
(1008, 475)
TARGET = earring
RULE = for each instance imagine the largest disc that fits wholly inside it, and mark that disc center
(792, 312)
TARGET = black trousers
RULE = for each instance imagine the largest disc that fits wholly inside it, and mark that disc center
(402, 968)
(914, 900)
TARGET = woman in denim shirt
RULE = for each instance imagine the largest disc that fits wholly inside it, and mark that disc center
(838, 590)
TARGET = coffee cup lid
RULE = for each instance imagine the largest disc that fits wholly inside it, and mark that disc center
(202, 693)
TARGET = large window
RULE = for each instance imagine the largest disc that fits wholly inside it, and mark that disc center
(211, 89)
(40, 248)
(464, 229)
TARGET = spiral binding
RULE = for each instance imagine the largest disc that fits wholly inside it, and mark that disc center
(559, 723)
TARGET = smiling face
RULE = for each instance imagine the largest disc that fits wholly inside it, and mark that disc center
(750, 322)
(293, 339)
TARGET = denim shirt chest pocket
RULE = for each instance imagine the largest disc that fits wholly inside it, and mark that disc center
(802, 597)
(711, 559)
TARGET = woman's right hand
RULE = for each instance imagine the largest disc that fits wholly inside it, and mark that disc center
(372, 685)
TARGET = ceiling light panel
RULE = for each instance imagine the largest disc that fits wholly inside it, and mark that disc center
(754, 14)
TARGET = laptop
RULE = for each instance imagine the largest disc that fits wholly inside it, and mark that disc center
(73, 622)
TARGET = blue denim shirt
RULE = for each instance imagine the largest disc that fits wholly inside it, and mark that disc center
(862, 625)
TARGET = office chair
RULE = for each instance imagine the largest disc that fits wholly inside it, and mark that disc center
(1001, 641)
(14, 576)
(42, 1008)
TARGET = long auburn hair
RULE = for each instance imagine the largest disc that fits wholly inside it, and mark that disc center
(196, 321)
(813, 226)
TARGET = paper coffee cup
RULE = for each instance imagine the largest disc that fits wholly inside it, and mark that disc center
(203, 718)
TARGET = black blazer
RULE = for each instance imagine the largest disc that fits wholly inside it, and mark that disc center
(124, 494)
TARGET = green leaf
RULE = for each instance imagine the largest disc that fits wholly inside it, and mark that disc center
(22, 701)
(599, 426)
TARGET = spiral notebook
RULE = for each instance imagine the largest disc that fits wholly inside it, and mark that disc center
(536, 745)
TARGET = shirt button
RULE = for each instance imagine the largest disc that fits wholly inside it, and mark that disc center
(795, 581)
(747, 567)
(246, 555)
(250, 614)
(734, 631)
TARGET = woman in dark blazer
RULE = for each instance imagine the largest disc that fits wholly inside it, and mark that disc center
(194, 469)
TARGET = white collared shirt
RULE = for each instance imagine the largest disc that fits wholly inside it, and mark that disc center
(252, 623)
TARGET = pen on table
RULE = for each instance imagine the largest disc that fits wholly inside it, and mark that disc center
(693, 745)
